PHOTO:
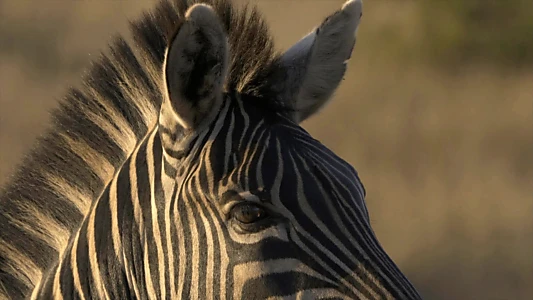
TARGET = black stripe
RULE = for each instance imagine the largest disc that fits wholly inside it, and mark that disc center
(175, 241)
(275, 285)
(143, 189)
(187, 236)
(66, 280)
(160, 201)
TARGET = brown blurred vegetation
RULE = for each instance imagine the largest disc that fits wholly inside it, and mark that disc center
(435, 113)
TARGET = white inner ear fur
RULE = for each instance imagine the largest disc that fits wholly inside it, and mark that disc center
(327, 49)
(180, 60)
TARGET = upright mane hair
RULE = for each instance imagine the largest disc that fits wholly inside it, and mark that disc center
(97, 127)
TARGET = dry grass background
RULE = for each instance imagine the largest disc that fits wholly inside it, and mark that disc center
(445, 155)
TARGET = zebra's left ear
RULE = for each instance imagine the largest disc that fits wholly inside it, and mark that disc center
(315, 65)
(195, 70)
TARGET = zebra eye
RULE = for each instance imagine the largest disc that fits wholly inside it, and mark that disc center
(247, 213)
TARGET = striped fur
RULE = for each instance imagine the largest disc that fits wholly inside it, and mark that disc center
(318, 242)
(111, 212)
(96, 129)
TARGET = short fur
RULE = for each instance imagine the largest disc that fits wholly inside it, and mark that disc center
(98, 126)
(317, 63)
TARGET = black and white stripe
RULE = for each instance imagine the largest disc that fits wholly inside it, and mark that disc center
(166, 237)
(119, 203)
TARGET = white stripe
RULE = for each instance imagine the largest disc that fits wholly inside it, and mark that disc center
(74, 267)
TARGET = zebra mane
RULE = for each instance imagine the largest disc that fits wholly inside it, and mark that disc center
(97, 127)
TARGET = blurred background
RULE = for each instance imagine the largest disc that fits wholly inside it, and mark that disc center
(436, 114)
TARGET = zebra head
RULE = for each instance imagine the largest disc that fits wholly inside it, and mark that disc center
(259, 208)
(179, 170)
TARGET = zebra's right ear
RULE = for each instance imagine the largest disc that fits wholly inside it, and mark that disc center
(195, 69)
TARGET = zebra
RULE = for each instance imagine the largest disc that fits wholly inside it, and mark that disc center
(179, 170)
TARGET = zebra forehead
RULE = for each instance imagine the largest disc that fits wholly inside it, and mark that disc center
(252, 130)
(275, 147)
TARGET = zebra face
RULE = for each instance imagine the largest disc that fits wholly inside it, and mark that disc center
(261, 208)
(290, 212)
(226, 197)
(265, 210)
